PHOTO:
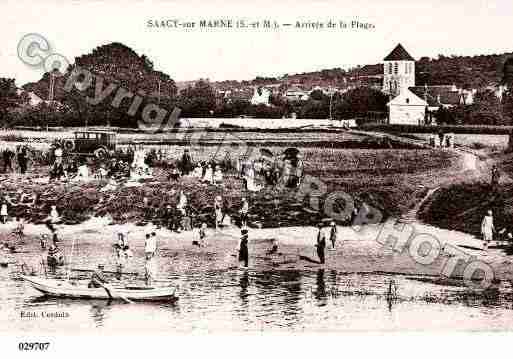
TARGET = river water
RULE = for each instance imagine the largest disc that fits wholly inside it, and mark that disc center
(289, 300)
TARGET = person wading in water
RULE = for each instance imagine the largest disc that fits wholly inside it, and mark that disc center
(321, 244)
(243, 248)
(333, 234)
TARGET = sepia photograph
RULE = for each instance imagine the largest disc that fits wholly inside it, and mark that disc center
(174, 167)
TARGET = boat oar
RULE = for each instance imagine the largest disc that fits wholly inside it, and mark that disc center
(105, 271)
(110, 292)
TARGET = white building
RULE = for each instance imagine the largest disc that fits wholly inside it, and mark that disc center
(407, 109)
(296, 94)
(399, 71)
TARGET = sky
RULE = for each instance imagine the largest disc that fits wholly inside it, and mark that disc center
(425, 28)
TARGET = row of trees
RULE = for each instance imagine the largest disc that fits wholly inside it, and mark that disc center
(200, 100)
(487, 109)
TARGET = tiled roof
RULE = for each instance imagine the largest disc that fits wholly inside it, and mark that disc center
(437, 95)
(399, 54)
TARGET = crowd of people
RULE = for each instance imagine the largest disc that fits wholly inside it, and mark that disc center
(134, 162)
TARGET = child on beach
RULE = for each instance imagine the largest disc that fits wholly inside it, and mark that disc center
(202, 242)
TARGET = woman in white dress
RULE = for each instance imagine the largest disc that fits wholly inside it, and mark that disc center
(250, 180)
(182, 203)
(209, 175)
(198, 171)
(487, 229)
(218, 175)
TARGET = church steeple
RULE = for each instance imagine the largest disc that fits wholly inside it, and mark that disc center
(399, 54)
(399, 71)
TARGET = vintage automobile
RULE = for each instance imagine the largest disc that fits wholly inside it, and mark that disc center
(98, 143)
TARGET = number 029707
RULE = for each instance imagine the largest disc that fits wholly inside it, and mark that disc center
(35, 346)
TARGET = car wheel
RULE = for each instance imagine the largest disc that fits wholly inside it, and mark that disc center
(69, 145)
(100, 153)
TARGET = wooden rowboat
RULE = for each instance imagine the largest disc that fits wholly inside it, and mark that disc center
(79, 290)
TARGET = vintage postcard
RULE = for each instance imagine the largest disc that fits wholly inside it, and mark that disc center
(176, 167)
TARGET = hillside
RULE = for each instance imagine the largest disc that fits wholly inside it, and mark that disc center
(463, 71)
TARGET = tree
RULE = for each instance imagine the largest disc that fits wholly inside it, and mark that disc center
(315, 109)
(198, 101)
(9, 98)
(359, 102)
(318, 95)
(507, 107)
(234, 108)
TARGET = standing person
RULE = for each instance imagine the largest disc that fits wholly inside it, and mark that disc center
(57, 153)
(209, 175)
(217, 176)
(495, 177)
(441, 138)
(321, 244)
(52, 219)
(150, 245)
(487, 229)
(218, 211)
(333, 234)
(150, 269)
(3, 211)
(203, 235)
(120, 248)
(54, 215)
(22, 160)
(243, 248)
(244, 213)
(7, 156)
(43, 240)
(182, 203)
(19, 230)
(202, 242)
(169, 217)
(299, 169)
(185, 164)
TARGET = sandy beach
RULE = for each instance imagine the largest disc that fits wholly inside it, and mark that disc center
(357, 251)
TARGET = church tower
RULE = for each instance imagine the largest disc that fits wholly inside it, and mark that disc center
(399, 71)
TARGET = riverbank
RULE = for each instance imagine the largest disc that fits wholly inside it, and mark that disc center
(356, 251)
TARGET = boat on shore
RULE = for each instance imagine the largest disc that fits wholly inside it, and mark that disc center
(79, 290)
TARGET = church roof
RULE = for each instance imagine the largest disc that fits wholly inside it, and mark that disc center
(407, 98)
(399, 54)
